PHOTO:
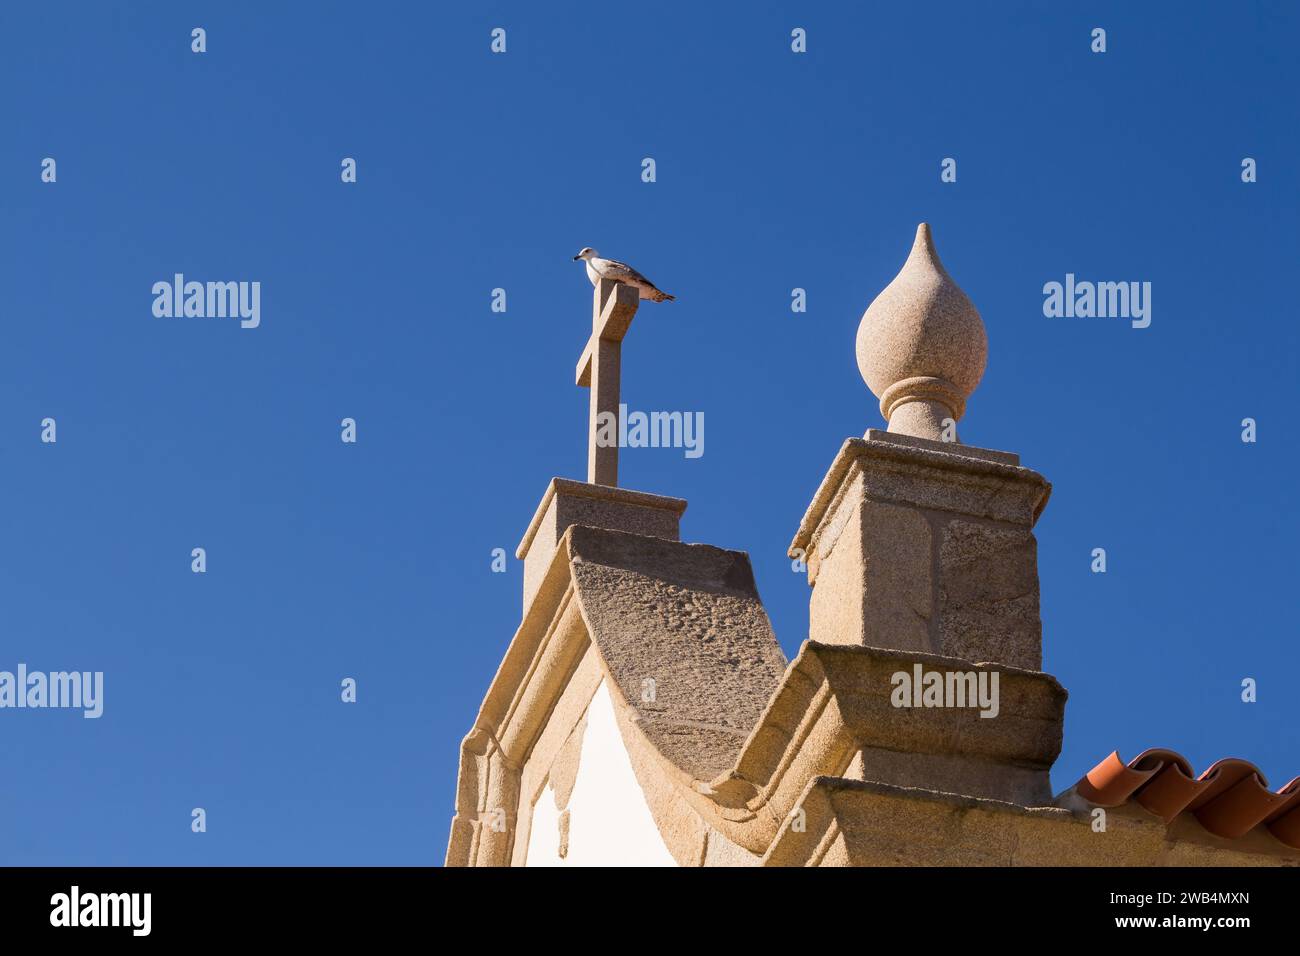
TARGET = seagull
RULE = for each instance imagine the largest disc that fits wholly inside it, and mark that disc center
(598, 268)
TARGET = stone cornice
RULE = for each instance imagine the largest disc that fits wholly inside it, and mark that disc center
(582, 489)
(985, 475)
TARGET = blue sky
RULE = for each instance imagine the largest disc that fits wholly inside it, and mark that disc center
(477, 171)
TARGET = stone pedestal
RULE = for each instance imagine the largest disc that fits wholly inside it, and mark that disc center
(569, 502)
(920, 545)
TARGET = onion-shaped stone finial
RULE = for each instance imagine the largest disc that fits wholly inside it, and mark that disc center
(921, 346)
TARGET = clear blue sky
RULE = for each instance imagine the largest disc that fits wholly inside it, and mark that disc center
(477, 171)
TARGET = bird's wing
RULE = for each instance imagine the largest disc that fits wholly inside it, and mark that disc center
(622, 272)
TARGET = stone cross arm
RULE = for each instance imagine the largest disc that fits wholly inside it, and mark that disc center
(613, 305)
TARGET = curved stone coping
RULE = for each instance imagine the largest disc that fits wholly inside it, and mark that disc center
(685, 616)
(684, 637)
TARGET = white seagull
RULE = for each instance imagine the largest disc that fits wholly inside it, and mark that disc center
(598, 268)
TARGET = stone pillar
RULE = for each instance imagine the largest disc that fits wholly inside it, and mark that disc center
(569, 502)
(927, 546)
(914, 541)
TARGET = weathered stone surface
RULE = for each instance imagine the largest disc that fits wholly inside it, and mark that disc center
(569, 502)
(979, 490)
(564, 834)
(839, 599)
(564, 769)
(934, 476)
(1026, 731)
(861, 823)
(921, 345)
(897, 589)
(719, 851)
(613, 305)
(911, 546)
(988, 594)
(685, 638)
(954, 773)
(943, 447)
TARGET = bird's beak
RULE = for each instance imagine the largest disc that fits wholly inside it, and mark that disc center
(576, 258)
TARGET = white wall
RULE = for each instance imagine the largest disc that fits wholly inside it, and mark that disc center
(609, 821)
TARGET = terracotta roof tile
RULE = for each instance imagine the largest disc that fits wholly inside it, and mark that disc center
(1229, 799)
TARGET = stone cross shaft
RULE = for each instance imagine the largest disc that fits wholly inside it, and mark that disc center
(613, 305)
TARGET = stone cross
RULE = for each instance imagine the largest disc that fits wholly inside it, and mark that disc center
(612, 306)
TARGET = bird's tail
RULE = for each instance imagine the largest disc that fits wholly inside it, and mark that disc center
(663, 297)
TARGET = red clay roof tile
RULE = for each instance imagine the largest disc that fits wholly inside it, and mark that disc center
(1230, 799)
